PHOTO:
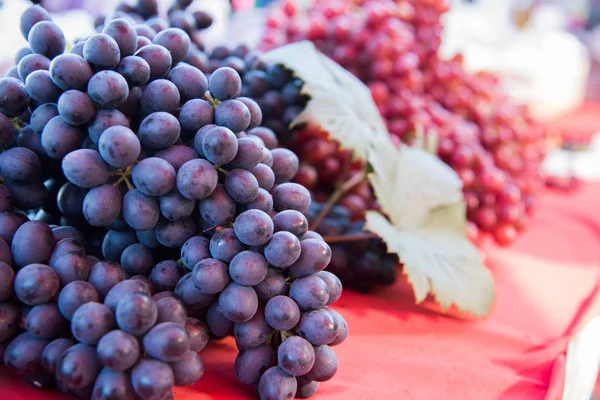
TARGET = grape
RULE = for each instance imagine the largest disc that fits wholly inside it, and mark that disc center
(74, 295)
(158, 58)
(277, 384)
(171, 309)
(296, 356)
(14, 98)
(24, 354)
(85, 168)
(218, 324)
(291, 221)
(78, 49)
(266, 135)
(159, 130)
(102, 51)
(210, 276)
(41, 116)
(154, 176)
(326, 364)
(285, 165)
(249, 154)
(32, 16)
(108, 89)
(291, 196)
(238, 303)
(102, 205)
(139, 210)
(72, 267)
(39, 86)
(20, 164)
(66, 232)
(52, 353)
(44, 321)
(119, 146)
(253, 227)
(224, 245)
(135, 70)
(251, 363)
(175, 233)
(182, 20)
(283, 249)
(91, 321)
(59, 138)
(167, 342)
(165, 275)
(203, 19)
(219, 145)
(118, 350)
(122, 289)
(248, 268)
(194, 250)
(310, 292)
(148, 238)
(195, 114)
(115, 242)
(225, 83)
(9, 319)
(319, 327)
(145, 31)
(9, 223)
(264, 176)
(159, 95)
(263, 202)
(70, 71)
(282, 313)
(198, 333)
(274, 284)
(152, 379)
(46, 38)
(65, 247)
(253, 332)
(137, 259)
(218, 208)
(190, 295)
(28, 195)
(124, 33)
(241, 185)
(36, 284)
(232, 114)
(136, 313)
(77, 367)
(188, 370)
(103, 120)
(112, 385)
(177, 155)
(196, 179)
(315, 256)
(8, 277)
(176, 41)
(30, 63)
(155, 22)
(306, 387)
(173, 206)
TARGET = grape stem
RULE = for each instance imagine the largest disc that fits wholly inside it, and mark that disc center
(349, 238)
(221, 170)
(334, 198)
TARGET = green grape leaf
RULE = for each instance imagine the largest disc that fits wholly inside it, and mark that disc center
(340, 103)
(426, 228)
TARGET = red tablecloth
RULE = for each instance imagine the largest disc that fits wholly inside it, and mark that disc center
(547, 287)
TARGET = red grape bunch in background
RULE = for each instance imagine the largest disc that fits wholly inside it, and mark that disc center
(392, 46)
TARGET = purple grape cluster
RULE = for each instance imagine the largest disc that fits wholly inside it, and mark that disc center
(74, 321)
(144, 208)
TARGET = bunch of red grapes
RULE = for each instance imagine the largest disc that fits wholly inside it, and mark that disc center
(392, 46)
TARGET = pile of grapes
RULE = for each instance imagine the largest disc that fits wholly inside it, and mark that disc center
(144, 210)
(392, 46)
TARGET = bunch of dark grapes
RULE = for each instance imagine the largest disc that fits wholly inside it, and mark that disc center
(360, 260)
(143, 202)
(493, 144)
(72, 320)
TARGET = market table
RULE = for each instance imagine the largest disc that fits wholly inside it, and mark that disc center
(548, 286)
